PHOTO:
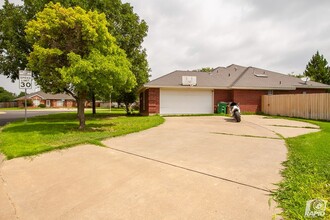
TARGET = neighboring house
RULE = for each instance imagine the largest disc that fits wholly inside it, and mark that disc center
(189, 92)
(49, 100)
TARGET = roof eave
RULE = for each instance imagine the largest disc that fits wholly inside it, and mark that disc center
(263, 88)
(184, 87)
(313, 87)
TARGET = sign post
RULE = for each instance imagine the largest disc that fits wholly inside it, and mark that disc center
(25, 82)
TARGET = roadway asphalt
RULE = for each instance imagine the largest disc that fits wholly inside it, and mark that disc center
(13, 115)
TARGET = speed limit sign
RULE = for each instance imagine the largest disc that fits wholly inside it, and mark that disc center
(25, 79)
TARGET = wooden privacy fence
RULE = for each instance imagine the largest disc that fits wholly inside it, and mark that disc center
(8, 104)
(310, 106)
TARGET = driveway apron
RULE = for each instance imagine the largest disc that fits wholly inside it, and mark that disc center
(186, 168)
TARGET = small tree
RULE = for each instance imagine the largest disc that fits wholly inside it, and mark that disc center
(317, 69)
(73, 52)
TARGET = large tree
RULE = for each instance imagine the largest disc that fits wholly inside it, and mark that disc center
(123, 24)
(13, 45)
(317, 69)
(73, 52)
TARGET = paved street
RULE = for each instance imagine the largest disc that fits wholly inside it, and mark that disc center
(186, 168)
(13, 115)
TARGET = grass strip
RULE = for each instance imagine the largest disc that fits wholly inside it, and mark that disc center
(307, 172)
(50, 132)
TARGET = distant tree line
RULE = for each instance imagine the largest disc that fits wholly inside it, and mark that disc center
(6, 96)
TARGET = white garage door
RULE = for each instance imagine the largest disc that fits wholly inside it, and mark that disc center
(187, 101)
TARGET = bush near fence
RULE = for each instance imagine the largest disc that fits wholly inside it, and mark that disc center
(8, 104)
(309, 106)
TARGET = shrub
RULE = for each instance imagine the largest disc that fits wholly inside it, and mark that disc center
(29, 103)
(42, 106)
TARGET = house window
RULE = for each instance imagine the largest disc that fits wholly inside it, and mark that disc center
(270, 92)
(36, 102)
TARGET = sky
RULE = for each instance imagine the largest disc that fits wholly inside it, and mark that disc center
(277, 35)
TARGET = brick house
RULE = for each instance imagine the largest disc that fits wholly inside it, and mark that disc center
(49, 100)
(190, 92)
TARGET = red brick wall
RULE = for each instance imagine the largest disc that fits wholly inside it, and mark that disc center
(249, 100)
(70, 104)
(151, 102)
(221, 95)
(53, 103)
(300, 91)
(154, 94)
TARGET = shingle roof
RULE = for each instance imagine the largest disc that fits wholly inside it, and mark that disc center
(259, 78)
(49, 96)
(236, 77)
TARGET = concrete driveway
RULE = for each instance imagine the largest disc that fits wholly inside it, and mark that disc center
(187, 168)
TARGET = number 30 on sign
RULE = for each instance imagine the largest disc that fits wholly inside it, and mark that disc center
(25, 79)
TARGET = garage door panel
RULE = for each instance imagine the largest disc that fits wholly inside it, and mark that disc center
(186, 101)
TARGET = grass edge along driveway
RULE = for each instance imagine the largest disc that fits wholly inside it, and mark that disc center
(307, 172)
(59, 131)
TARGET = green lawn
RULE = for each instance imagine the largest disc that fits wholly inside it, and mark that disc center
(307, 172)
(11, 109)
(46, 133)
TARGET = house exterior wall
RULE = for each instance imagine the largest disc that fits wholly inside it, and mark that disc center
(53, 103)
(149, 101)
(71, 103)
(20, 104)
(300, 91)
(221, 95)
(250, 100)
(154, 98)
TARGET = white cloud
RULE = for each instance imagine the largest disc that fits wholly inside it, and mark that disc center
(277, 35)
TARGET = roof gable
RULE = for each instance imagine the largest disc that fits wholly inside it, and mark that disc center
(47, 96)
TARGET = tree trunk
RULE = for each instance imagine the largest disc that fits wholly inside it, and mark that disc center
(127, 109)
(81, 112)
(94, 103)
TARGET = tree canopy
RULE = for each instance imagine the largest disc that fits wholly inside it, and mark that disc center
(73, 52)
(123, 24)
(13, 45)
(6, 96)
(204, 69)
(317, 69)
